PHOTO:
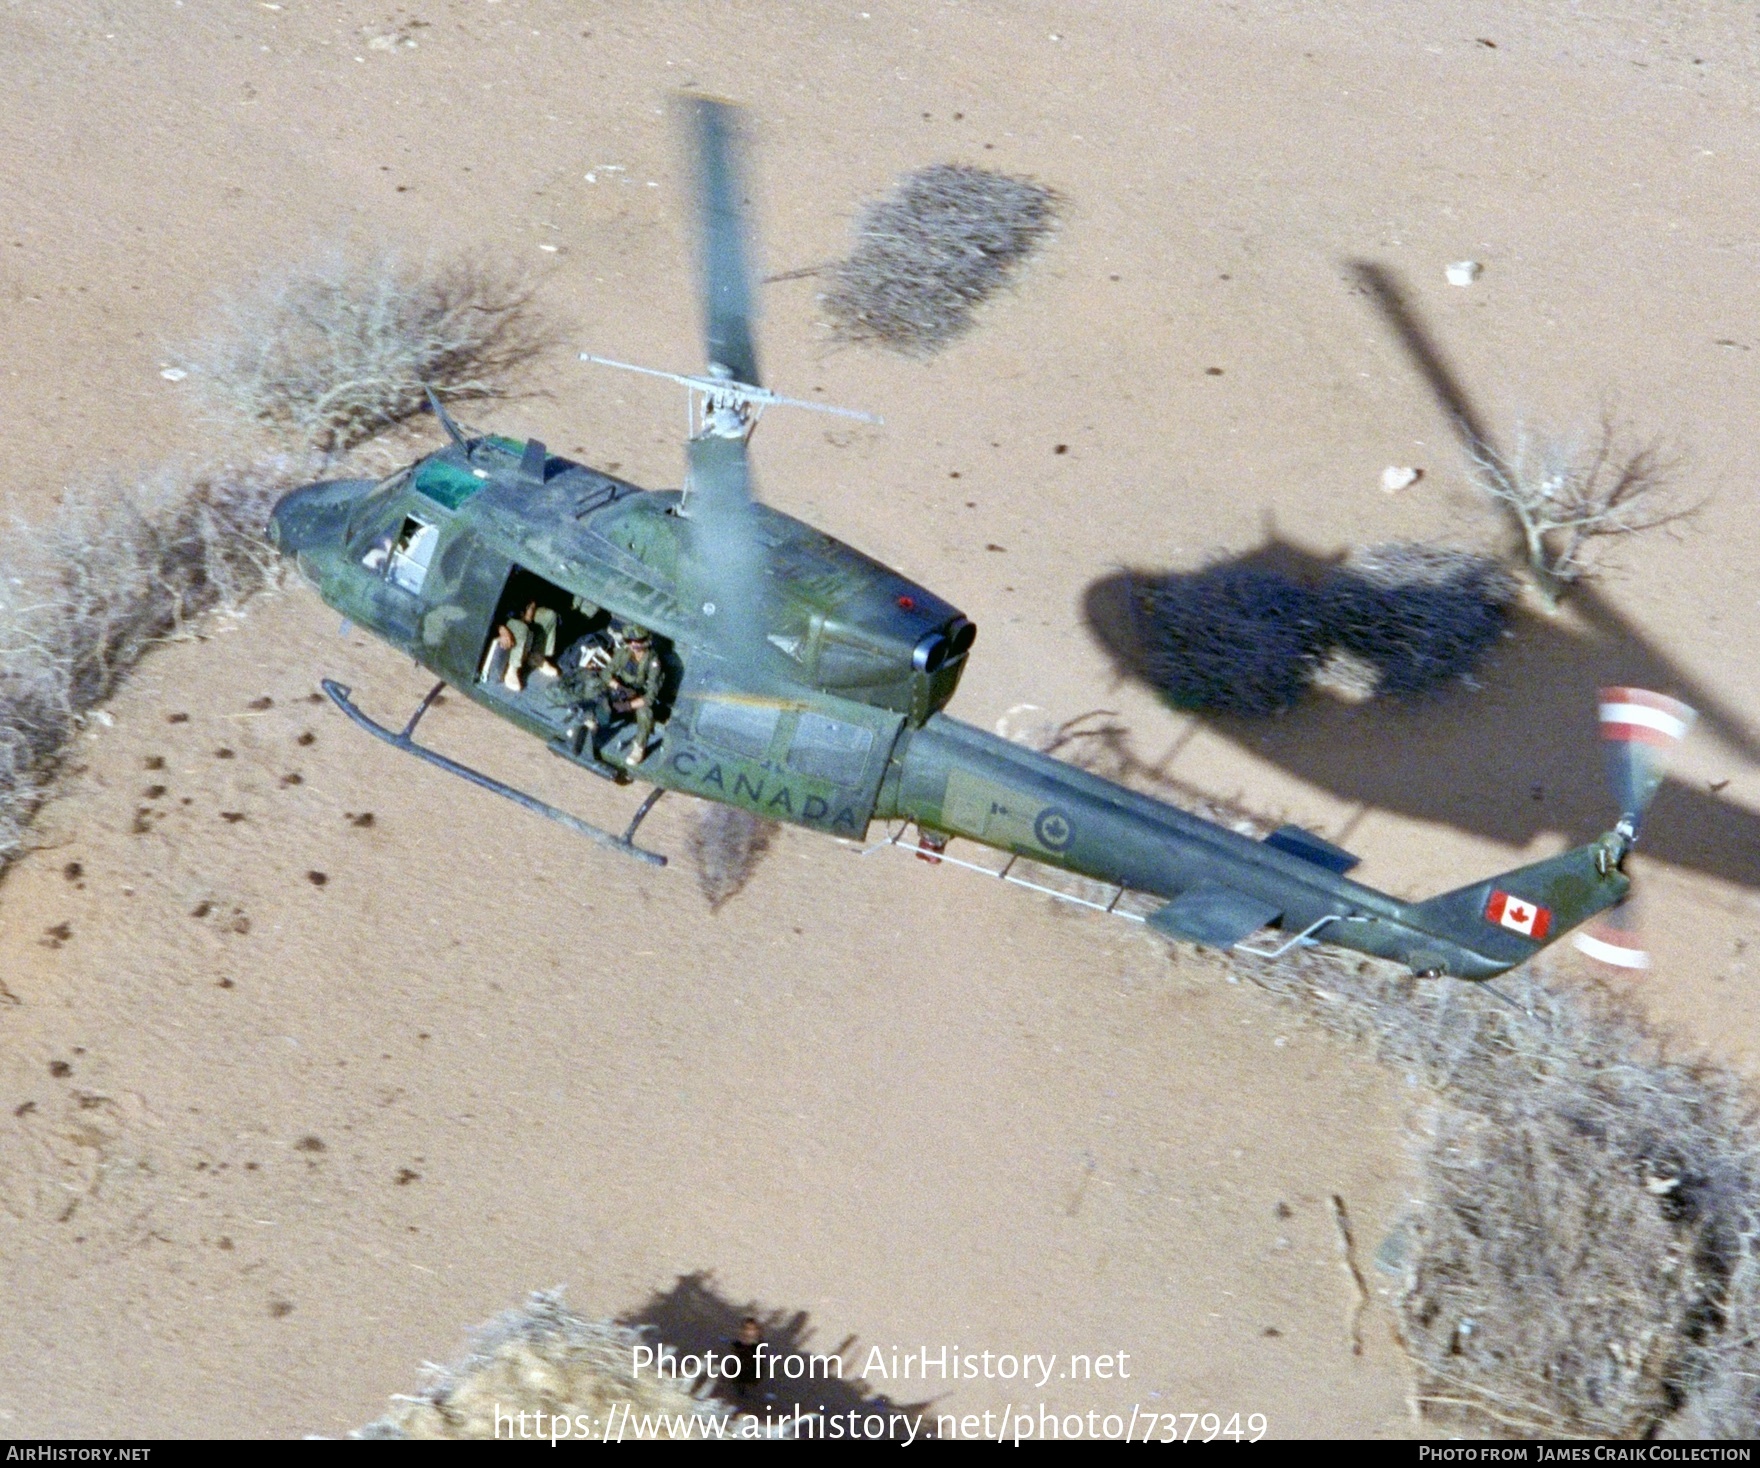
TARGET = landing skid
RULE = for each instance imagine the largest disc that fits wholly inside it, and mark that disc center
(342, 698)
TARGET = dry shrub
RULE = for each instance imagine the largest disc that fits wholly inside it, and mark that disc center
(114, 569)
(1583, 1262)
(1415, 617)
(1395, 620)
(1566, 495)
(726, 845)
(1231, 639)
(342, 351)
(932, 250)
(545, 1358)
(1585, 1258)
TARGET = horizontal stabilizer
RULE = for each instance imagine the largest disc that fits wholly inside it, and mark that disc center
(1310, 847)
(1213, 914)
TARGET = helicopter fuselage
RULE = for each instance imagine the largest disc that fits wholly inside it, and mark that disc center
(851, 729)
(436, 557)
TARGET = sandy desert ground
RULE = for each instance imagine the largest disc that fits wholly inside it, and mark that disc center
(267, 1144)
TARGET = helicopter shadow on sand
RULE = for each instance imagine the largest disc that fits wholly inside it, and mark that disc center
(1512, 758)
(694, 1317)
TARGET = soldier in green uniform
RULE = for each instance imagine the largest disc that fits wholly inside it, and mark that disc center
(602, 688)
(581, 688)
(632, 685)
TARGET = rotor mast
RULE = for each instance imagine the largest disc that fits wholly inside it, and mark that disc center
(726, 401)
(719, 406)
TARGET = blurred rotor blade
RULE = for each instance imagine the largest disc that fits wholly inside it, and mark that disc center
(722, 239)
(730, 558)
(1640, 730)
(1614, 938)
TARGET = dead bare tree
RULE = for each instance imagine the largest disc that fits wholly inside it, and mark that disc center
(341, 350)
(1564, 497)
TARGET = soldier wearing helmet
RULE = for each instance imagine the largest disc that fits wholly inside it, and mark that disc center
(608, 689)
(632, 684)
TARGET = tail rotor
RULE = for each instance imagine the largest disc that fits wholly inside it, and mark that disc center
(1639, 731)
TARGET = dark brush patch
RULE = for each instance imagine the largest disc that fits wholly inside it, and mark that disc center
(945, 239)
(1231, 639)
(726, 846)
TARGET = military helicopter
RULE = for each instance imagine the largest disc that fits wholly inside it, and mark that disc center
(807, 682)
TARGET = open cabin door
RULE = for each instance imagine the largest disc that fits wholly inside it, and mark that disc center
(459, 597)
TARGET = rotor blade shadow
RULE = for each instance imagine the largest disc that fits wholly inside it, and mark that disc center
(1515, 758)
(1396, 309)
(1395, 306)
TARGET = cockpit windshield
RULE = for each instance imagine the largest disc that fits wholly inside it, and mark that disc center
(367, 508)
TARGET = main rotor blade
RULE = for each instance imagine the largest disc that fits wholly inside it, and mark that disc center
(730, 559)
(722, 239)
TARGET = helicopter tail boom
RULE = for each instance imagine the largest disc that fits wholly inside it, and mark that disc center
(1220, 886)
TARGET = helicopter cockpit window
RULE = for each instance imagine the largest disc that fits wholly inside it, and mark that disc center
(372, 517)
(407, 565)
(742, 728)
(447, 483)
(829, 749)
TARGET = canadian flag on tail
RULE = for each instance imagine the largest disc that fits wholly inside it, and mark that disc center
(1527, 918)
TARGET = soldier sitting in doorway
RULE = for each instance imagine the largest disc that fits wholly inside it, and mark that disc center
(614, 687)
(583, 666)
(524, 644)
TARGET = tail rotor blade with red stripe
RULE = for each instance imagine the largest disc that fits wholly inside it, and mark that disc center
(1614, 938)
(1640, 730)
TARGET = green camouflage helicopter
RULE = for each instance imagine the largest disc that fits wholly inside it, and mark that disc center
(806, 682)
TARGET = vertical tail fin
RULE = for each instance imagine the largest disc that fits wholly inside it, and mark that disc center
(1516, 913)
